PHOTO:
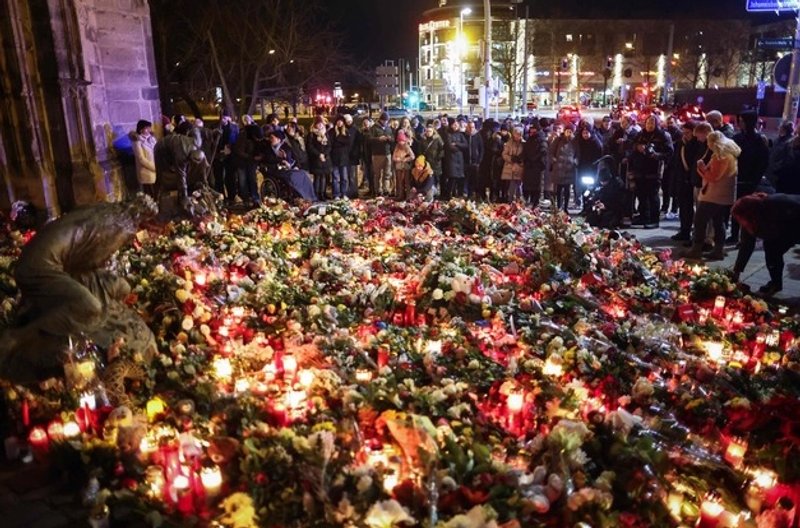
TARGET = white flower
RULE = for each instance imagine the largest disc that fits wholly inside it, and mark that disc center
(386, 514)
(438, 294)
(314, 311)
(477, 517)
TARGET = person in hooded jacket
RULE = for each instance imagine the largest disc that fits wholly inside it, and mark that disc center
(534, 154)
(484, 185)
(564, 163)
(652, 149)
(752, 162)
(589, 149)
(432, 147)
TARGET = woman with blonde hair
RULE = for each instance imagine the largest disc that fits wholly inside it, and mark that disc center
(717, 194)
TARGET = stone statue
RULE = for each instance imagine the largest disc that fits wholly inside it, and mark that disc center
(67, 290)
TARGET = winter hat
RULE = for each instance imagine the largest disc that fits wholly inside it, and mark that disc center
(570, 126)
(420, 160)
(383, 117)
(401, 137)
(142, 124)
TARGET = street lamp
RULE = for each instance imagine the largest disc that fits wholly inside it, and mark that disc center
(272, 52)
(462, 44)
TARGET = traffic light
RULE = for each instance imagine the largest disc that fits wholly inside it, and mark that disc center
(609, 62)
(565, 64)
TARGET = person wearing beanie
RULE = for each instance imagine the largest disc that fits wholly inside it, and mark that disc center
(143, 143)
(402, 157)
(380, 144)
(564, 165)
(341, 143)
(422, 177)
(652, 150)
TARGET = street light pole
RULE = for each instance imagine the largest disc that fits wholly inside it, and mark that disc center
(790, 105)
(487, 55)
(461, 42)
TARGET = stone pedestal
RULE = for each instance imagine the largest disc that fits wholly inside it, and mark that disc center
(76, 76)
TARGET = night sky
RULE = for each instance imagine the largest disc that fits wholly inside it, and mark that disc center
(375, 30)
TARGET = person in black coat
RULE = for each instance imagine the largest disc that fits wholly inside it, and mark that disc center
(684, 168)
(652, 149)
(455, 145)
(589, 150)
(355, 156)
(319, 157)
(484, 185)
(786, 172)
(474, 155)
(752, 162)
(771, 218)
(298, 146)
(341, 143)
(534, 154)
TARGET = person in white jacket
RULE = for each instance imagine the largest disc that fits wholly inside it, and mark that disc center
(143, 142)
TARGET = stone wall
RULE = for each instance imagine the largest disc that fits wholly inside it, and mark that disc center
(78, 74)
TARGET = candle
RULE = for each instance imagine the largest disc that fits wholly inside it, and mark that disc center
(147, 446)
(280, 414)
(154, 478)
(270, 372)
(553, 367)
(155, 407)
(675, 505)
(71, 430)
(713, 350)
(735, 452)
(289, 365)
(181, 494)
(40, 445)
(223, 331)
(26, 413)
(719, 306)
(55, 430)
(306, 378)
(383, 356)
(88, 401)
(760, 345)
(711, 511)
(515, 401)
(738, 318)
(411, 313)
(211, 477)
(241, 385)
(223, 368)
(363, 375)
(702, 318)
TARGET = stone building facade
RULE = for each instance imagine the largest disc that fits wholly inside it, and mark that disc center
(75, 77)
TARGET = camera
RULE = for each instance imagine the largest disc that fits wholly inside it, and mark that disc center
(650, 150)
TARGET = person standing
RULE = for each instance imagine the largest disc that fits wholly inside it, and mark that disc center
(717, 122)
(297, 143)
(246, 155)
(513, 166)
(364, 151)
(319, 156)
(144, 142)
(534, 154)
(488, 139)
(381, 140)
(455, 145)
(224, 169)
(564, 164)
(402, 158)
(684, 167)
(474, 156)
(652, 150)
(340, 141)
(716, 195)
(432, 147)
(752, 162)
(589, 149)
(354, 157)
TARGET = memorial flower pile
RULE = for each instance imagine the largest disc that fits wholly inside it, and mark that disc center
(382, 364)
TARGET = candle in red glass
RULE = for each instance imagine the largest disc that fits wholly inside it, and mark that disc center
(711, 511)
(734, 454)
(383, 356)
(40, 444)
(182, 494)
(411, 313)
(55, 430)
(26, 413)
(760, 345)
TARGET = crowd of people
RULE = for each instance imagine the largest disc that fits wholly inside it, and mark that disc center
(616, 172)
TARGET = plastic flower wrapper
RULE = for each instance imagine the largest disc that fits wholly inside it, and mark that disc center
(388, 514)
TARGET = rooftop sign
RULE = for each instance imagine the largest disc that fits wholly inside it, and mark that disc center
(772, 5)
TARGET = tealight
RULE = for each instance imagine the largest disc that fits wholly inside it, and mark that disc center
(552, 367)
(735, 452)
(515, 401)
(55, 431)
(155, 407)
(72, 430)
(363, 375)
(223, 368)
(211, 477)
(719, 306)
(306, 378)
(200, 279)
(289, 365)
(711, 511)
(713, 350)
(241, 385)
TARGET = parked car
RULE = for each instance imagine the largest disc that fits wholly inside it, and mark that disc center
(396, 112)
